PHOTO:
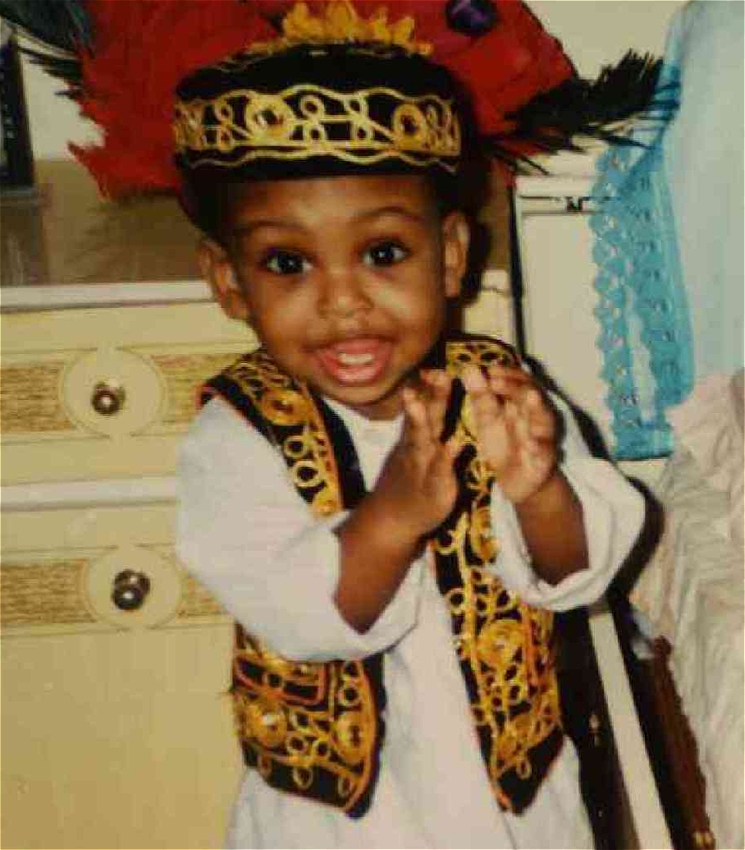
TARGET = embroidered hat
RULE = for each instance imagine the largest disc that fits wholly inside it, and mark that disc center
(319, 109)
(275, 88)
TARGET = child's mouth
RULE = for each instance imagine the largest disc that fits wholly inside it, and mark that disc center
(355, 362)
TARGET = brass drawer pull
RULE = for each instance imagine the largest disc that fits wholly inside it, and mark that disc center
(108, 398)
(130, 590)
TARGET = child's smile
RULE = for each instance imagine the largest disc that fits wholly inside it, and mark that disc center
(355, 362)
(344, 280)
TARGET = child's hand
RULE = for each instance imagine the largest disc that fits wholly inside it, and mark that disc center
(417, 486)
(416, 490)
(516, 428)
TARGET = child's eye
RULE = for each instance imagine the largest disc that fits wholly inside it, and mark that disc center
(385, 254)
(285, 262)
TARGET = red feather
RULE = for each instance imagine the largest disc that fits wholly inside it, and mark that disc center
(503, 69)
(510, 65)
(142, 49)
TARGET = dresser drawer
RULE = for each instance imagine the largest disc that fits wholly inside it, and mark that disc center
(106, 392)
(110, 714)
(97, 569)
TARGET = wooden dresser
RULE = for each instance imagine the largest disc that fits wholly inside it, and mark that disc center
(117, 728)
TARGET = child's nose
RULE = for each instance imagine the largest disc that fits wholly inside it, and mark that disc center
(342, 294)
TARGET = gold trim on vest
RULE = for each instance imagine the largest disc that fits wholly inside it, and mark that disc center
(316, 729)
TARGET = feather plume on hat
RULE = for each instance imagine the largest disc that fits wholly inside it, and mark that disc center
(123, 59)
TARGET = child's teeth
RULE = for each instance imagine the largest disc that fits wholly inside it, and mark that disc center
(354, 359)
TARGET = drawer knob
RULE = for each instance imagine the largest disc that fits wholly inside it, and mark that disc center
(130, 590)
(108, 398)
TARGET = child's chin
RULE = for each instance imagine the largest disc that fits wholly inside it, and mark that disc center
(371, 402)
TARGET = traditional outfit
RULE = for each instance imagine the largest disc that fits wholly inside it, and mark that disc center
(441, 725)
(250, 536)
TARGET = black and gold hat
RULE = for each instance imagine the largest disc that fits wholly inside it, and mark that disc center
(246, 89)
(327, 109)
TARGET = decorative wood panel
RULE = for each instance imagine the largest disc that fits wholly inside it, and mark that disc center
(152, 357)
(183, 375)
(68, 592)
(39, 592)
(30, 401)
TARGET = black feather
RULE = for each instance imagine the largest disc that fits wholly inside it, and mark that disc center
(602, 109)
(58, 24)
(62, 67)
(58, 29)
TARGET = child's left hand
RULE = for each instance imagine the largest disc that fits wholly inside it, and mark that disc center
(516, 427)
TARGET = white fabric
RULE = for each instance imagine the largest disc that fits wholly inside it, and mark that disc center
(248, 537)
(692, 589)
(709, 424)
(704, 155)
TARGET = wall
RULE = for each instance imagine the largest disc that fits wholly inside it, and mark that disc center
(594, 33)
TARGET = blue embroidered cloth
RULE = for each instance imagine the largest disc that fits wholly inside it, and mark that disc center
(645, 336)
(668, 235)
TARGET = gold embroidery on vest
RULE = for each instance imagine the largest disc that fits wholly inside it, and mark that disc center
(283, 403)
(505, 643)
(304, 718)
(308, 718)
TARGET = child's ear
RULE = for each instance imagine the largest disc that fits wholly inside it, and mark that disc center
(456, 236)
(218, 271)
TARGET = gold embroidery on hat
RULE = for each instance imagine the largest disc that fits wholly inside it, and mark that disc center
(305, 120)
(339, 23)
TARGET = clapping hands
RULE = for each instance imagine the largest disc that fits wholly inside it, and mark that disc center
(516, 428)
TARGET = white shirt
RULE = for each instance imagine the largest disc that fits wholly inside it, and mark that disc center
(250, 538)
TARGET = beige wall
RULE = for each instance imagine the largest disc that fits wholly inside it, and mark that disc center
(594, 33)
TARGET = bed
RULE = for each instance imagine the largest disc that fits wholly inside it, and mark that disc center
(688, 604)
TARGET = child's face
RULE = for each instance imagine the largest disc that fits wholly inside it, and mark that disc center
(344, 280)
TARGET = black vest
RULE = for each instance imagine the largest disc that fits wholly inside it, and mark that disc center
(317, 729)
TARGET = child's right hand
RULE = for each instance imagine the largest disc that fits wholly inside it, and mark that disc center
(417, 487)
(416, 490)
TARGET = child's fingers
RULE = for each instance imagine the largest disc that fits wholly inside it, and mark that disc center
(452, 448)
(438, 384)
(485, 405)
(416, 431)
(508, 380)
(534, 430)
(518, 387)
(534, 424)
(535, 441)
(505, 389)
(541, 415)
(415, 415)
(441, 467)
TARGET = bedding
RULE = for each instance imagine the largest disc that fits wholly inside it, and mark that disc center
(692, 590)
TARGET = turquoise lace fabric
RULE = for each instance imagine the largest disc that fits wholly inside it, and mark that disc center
(645, 338)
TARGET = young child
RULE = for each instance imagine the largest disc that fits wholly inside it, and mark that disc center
(390, 512)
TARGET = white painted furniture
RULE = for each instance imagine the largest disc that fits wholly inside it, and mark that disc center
(117, 728)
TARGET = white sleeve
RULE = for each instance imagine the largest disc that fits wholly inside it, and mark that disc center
(250, 539)
(613, 515)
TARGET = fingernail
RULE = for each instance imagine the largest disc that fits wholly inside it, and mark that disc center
(470, 377)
